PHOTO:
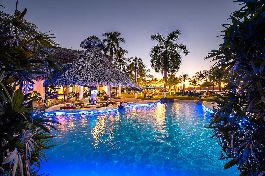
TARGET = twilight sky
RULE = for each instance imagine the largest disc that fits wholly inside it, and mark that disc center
(73, 20)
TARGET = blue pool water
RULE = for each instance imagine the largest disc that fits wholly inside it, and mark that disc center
(151, 140)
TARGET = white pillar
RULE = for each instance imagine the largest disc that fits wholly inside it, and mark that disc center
(109, 90)
(119, 92)
(135, 95)
(106, 89)
(81, 92)
(70, 89)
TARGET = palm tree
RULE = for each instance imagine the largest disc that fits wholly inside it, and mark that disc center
(216, 75)
(184, 77)
(173, 81)
(112, 41)
(166, 55)
(136, 68)
(194, 82)
(92, 42)
(200, 77)
(120, 60)
(23, 137)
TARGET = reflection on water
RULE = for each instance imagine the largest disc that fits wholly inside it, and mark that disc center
(157, 139)
(99, 129)
(160, 117)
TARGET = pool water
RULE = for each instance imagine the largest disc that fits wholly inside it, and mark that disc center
(144, 140)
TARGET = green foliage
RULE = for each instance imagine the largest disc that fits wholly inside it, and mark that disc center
(23, 137)
(136, 68)
(173, 80)
(217, 75)
(110, 45)
(25, 53)
(24, 50)
(113, 49)
(166, 55)
(239, 120)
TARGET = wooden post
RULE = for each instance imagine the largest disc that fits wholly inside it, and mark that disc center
(81, 92)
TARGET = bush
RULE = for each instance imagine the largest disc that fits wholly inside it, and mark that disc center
(239, 121)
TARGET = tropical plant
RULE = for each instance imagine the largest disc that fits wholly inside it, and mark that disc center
(194, 82)
(23, 137)
(184, 78)
(173, 80)
(207, 84)
(24, 54)
(166, 55)
(24, 51)
(239, 120)
(217, 76)
(113, 47)
(92, 42)
(200, 77)
(136, 68)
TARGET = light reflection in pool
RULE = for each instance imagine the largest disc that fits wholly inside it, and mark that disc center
(155, 139)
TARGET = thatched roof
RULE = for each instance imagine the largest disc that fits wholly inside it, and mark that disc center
(90, 69)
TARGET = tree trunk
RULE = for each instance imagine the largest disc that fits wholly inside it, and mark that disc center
(20, 84)
(183, 87)
(165, 83)
(135, 71)
(16, 5)
(64, 93)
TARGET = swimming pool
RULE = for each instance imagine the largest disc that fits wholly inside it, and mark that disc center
(155, 139)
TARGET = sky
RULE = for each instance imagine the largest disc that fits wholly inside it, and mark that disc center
(71, 21)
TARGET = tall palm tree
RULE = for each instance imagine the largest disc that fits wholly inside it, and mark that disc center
(217, 75)
(113, 49)
(136, 68)
(184, 77)
(206, 75)
(194, 82)
(120, 60)
(166, 55)
(200, 77)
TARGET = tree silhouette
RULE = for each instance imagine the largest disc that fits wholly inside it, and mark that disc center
(166, 54)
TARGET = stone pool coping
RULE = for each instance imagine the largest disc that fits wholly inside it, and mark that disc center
(130, 101)
(210, 105)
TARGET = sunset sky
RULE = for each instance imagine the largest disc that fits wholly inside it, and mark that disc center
(72, 21)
